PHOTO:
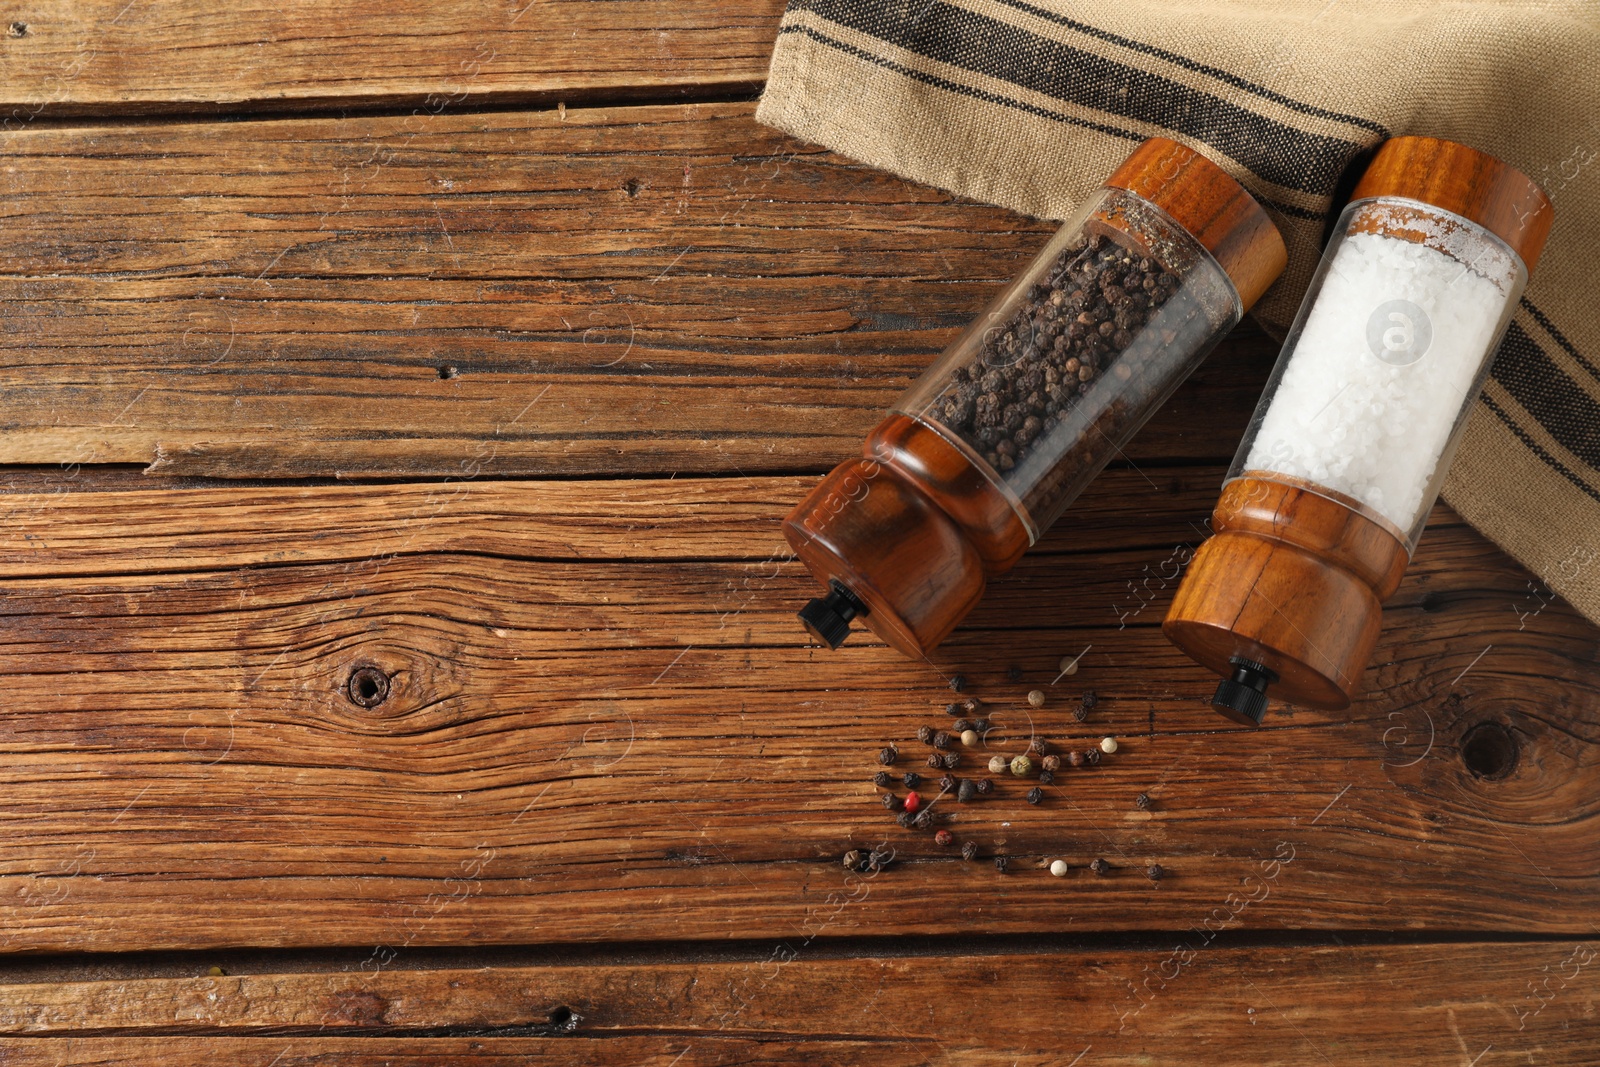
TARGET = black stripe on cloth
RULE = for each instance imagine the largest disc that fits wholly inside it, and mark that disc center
(1566, 345)
(994, 98)
(1275, 151)
(1199, 68)
(1533, 446)
(1567, 413)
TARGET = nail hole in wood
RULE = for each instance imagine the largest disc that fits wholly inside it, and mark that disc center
(448, 371)
(18, 29)
(1489, 750)
(632, 186)
(564, 1019)
(368, 687)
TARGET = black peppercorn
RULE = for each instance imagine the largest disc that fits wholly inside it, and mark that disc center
(948, 783)
(1047, 777)
(961, 726)
(1038, 746)
(985, 787)
(935, 760)
(880, 858)
(888, 756)
(966, 791)
(1000, 864)
(958, 682)
(1092, 756)
(969, 851)
(911, 779)
(892, 802)
(1154, 872)
(905, 819)
(1142, 802)
(1100, 866)
(942, 739)
(971, 705)
(1035, 795)
(925, 734)
(951, 761)
(923, 819)
(954, 709)
(882, 780)
(981, 725)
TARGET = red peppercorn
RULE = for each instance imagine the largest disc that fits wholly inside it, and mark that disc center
(945, 837)
(913, 802)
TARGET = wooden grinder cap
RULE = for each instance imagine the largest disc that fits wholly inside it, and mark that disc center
(1467, 182)
(1224, 218)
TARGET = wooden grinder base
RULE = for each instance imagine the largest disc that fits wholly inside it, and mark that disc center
(1292, 580)
(913, 529)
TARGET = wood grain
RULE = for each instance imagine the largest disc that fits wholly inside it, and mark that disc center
(608, 291)
(1176, 1001)
(112, 57)
(603, 725)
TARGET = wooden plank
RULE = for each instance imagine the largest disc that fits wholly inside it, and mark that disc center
(618, 290)
(603, 725)
(111, 57)
(1174, 1002)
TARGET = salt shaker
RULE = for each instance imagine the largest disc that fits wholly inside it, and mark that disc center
(1348, 448)
(1034, 398)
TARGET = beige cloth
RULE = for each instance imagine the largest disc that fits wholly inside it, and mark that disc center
(1030, 104)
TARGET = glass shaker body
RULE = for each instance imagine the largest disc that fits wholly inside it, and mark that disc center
(1351, 442)
(1380, 370)
(989, 446)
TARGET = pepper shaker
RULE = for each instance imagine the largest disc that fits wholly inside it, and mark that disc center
(1350, 443)
(987, 449)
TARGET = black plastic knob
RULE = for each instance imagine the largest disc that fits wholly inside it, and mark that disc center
(1243, 698)
(828, 618)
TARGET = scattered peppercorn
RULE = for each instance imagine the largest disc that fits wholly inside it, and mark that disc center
(888, 756)
(970, 738)
(948, 783)
(892, 802)
(971, 705)
(1038, 746)
(969, 851)
(1000, 864)
(1100, 866)
(923, 819)
(1013, 673)
(1036, 698)
(1154, 872)
(952, 760)
(1035, 795)
(935, 760)
(966, 791)
(1068, 665)
(1047, 777)
(880, 858)
(1075, 758)
(985, 787)
(981, 725)
(852, 859)
(942, 739)
(958, 682)
(1142, 801)
(1051, 763)
(911, 779)
(1108, 745)
(1092, 757)
(944, 837)
(1059, 868)
(925, 734)
(1021, 765)
(961, 726)
(998, 764)
(954, 709)
(904, 819)
(882, 780)
(913, 801)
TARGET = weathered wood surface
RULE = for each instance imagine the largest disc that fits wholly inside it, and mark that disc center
(116, 57)
(603, 725)
(1173, 1002)
(608, 290)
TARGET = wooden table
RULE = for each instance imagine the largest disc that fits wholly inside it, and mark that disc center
(481, 349)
